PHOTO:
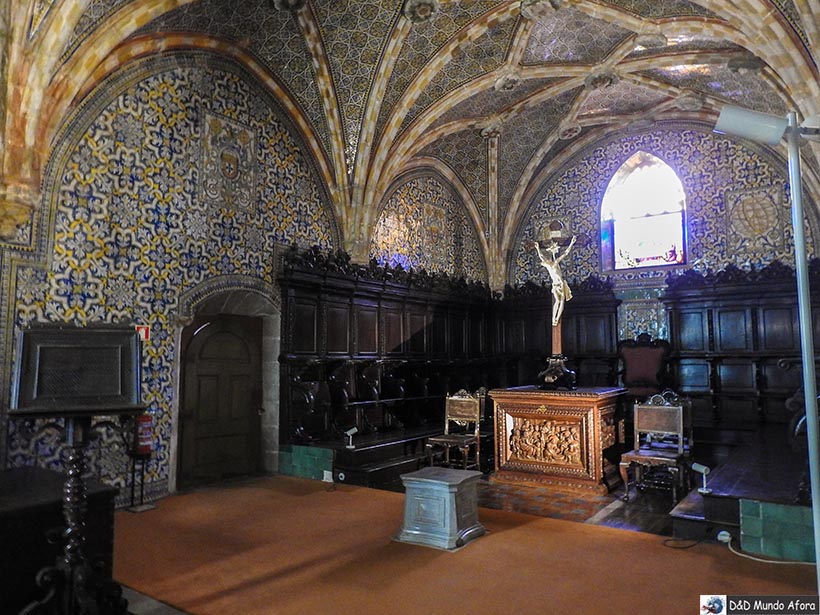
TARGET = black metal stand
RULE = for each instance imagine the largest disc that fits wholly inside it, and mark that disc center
(72, 585)
(143, 459)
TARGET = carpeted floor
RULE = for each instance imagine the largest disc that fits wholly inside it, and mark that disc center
(282, 545)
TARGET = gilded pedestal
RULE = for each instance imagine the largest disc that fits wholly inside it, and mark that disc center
(555, 437)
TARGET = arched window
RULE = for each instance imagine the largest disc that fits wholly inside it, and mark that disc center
(642, 216)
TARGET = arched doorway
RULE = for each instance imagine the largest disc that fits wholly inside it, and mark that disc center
(221, 399)
(228, 382)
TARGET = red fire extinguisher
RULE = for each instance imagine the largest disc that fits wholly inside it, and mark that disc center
(143, 435)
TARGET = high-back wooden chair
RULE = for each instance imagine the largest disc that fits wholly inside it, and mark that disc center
(663, 437)
(462, 418)
(643, 370)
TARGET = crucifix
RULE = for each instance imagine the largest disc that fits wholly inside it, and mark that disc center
(551, 254)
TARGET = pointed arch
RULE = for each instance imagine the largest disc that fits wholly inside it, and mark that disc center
(643, 215)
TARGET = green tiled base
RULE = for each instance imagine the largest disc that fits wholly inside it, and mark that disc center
(305, 461)
(777, 530)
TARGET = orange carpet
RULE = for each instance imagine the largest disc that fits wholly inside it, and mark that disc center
(282, 545)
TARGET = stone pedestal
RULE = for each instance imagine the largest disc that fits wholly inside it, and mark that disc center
(440, 508)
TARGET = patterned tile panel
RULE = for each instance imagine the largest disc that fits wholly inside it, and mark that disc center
(570, 36)
(136, 223)
(624, 97)
(718, 175)
(354, 34)
(273, 35)
(476, 58)
(520, 137)
(421, 44)
(423, 226)
(748, 90)
(490, 102)
(466, 153)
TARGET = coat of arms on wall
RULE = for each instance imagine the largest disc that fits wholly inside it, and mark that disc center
(228, 177)
(434, 238)
(754, 219)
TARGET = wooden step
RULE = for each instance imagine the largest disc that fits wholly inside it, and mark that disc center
(761, 468)
(378, 474)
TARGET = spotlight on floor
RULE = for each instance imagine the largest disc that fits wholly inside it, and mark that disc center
(703, 471)
(349, 433)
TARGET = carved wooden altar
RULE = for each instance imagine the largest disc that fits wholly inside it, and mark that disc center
(555, 437)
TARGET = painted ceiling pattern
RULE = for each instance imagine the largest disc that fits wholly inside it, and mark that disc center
(466, 155)
(381, 82)
(572, 37)
(486, 53)
(423, 41)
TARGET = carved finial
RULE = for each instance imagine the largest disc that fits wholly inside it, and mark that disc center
(568, 130)
(749, 64)
(419, 11)
(651, 40)
(491, 131)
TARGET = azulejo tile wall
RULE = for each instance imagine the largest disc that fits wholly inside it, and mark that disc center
(423, 226)
(737, 213)
(179, 171)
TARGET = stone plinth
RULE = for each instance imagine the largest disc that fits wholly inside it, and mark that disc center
(440, 508)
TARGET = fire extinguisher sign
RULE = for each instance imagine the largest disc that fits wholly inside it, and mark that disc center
(144, 331)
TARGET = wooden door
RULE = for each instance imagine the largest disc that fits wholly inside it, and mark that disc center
(220, 424)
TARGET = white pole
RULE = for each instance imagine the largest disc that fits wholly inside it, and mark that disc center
(806, 329)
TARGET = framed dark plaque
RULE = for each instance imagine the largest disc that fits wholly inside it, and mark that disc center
(63, 370)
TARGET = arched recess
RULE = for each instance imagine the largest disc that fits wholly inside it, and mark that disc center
(260, 84)
(234, 296)
(715, 170)
(411, 238)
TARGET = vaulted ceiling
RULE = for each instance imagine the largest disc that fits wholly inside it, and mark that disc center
(492, 93)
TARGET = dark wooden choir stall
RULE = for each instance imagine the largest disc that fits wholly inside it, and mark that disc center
(369, 354)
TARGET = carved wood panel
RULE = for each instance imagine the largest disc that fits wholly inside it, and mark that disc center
(555, 437)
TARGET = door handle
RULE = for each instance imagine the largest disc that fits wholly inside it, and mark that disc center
(260, 411)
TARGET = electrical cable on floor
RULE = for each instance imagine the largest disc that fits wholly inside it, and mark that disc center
(693, 542)
(766, 561)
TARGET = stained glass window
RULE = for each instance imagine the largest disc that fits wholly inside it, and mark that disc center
(642, 216)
